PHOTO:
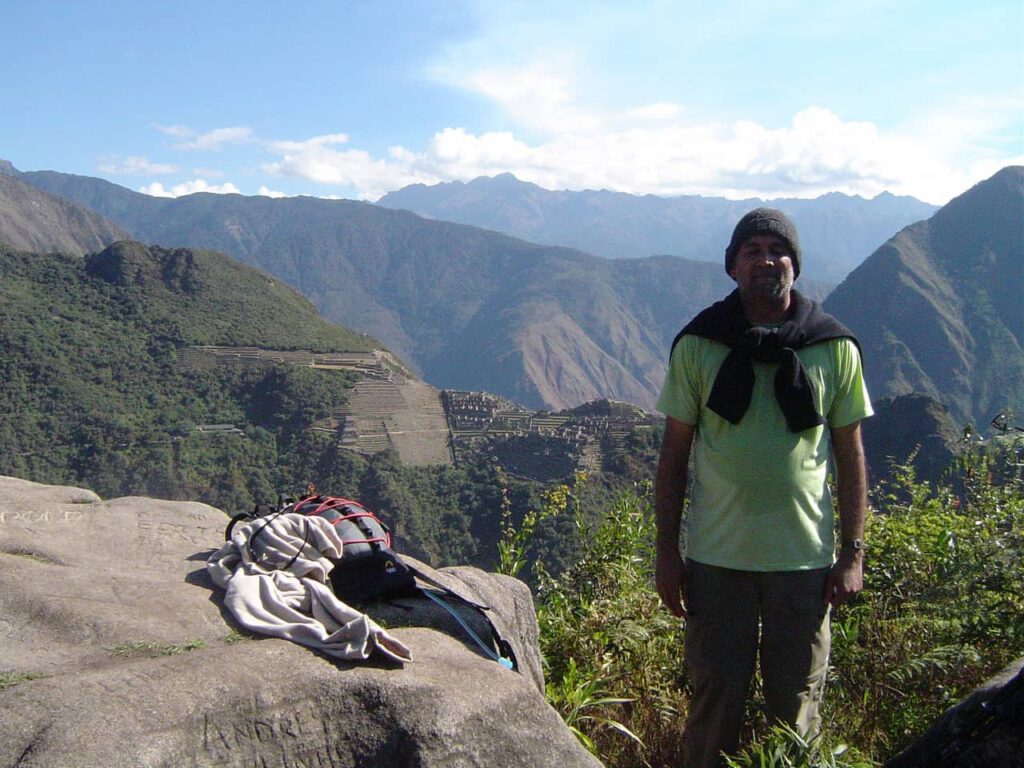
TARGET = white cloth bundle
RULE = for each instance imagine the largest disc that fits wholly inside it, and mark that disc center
(274, 573)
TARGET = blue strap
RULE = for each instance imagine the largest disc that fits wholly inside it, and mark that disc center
(507, 663)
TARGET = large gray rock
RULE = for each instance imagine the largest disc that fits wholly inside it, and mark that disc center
(115, 651)
(985, 730)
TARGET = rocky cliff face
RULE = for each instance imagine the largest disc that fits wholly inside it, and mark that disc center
(118, 652)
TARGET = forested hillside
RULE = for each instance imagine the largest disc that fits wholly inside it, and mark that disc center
(92, 393)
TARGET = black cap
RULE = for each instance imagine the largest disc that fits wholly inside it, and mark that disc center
(765, 221)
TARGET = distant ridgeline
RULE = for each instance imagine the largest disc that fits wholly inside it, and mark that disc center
(937, 310)
(836, 230)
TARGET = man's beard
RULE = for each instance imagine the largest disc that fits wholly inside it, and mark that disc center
(772, 287)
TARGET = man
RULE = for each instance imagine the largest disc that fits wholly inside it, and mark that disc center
(759, 386)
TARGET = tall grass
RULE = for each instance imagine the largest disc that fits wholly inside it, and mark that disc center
(942, 610)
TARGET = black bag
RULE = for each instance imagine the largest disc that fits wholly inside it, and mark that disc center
(368, 569)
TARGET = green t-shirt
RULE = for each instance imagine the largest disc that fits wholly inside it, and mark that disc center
(760, 500)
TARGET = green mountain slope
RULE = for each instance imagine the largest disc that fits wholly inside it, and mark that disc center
(32, 220)
(90, 387)
(196, 297)
(838, 231)
(465, 307)
(938, 308)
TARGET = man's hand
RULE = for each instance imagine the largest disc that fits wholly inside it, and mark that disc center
(846, 579)
(670, 577)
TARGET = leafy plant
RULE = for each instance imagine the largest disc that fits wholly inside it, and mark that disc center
(514, 544)
(583, 700)
(605, 640)
(783, 747)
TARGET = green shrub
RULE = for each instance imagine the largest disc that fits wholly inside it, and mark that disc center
(609, 650)
(943, 606)
(783, 747)
(942, 611)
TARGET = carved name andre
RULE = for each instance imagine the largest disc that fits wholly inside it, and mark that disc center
(292, 738)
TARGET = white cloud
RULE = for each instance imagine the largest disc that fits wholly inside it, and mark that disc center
(616, 96)
(656, 148)
(538, 96)
(266, 191)
(191, 139)
(317, 142)
(177, 131)
(156, 189)
(937, 157)
(463, 155)
(942, 153)
(817, 152)
(133, 165)
(215, 139)
(316, 159)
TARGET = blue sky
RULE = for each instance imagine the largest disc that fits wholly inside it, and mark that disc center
(354, 99)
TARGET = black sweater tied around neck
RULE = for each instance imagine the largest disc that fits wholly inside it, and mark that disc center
(725, 322)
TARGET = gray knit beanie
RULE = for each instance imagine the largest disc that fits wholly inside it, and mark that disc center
(764, 221)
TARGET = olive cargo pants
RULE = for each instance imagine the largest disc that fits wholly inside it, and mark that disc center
(732, 618)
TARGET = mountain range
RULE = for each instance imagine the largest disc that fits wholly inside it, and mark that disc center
(837, 231)
(467, 308)
(937, 307)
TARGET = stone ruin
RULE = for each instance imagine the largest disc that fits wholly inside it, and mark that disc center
(540, 445)
(388, 408)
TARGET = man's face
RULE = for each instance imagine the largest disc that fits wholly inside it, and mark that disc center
(763, 267)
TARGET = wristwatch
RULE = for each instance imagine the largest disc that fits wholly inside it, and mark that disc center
(857, 545)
